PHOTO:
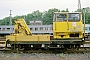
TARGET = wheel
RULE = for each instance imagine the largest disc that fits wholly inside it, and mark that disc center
(77, 46)
(37, 46)
(46, 47)
(13, 46)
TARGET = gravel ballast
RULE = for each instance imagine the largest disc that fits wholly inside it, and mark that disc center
(44, 56)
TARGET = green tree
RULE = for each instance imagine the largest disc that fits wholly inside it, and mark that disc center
(37, 15)
(5, 21)
(48, 16)
(65, 10)
(87, 15)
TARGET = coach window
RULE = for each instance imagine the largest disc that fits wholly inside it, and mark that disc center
(3, 29)
(41, 28)
(46, 28)
(36, 29)
(89, 28)
(0, 29)
(8, 29)
(51, 28)
(85, 28)
(12, 29)
(31, 29)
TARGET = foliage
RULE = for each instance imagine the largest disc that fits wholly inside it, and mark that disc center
(87, 14)
(46, 16)
(5, 21)
(36, 15)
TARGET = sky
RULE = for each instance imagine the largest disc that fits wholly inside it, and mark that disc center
(23, 7)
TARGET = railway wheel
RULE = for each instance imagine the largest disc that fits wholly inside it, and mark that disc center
(12, 46)
(37, 46)
(46, 46)
(20, 46)
(53, 45)
(77, 46)
(27, 47)
(24, 46)
(72, 46)
(66, 46)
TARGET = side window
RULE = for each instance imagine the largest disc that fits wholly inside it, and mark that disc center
(89, 28)
(73, 16)
(8, 29)
(41, 28)
(0, 29)
(85, 28)
(31, 29)
(36, 29)
(61, 17)
(3, 29)
(12, 29)
(46, 28)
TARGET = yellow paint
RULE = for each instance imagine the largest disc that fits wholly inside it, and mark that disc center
(33, 38)
(21, 27)
(65, 28)
(23, 34)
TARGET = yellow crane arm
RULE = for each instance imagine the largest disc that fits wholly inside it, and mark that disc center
(21, 27)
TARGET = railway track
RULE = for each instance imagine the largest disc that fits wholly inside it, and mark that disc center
(80, 50)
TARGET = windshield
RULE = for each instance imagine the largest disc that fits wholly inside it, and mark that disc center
(73, 16)
(61, 17)
(67, 16)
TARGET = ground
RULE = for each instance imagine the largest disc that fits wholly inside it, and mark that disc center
(44, 56)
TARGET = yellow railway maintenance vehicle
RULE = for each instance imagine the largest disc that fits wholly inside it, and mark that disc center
(67, 33)
(67, 29)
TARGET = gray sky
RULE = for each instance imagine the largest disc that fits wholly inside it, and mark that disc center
(22, 7)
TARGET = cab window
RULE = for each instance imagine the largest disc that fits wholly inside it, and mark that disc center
(61, 17)
(74, 16)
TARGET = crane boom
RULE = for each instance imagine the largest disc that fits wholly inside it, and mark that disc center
(21, 27)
